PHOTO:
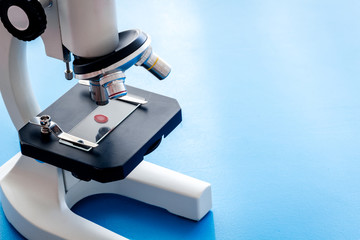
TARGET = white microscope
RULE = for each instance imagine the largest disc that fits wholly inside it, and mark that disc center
(87, 142)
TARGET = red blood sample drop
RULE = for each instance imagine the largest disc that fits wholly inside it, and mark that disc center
(101, 118)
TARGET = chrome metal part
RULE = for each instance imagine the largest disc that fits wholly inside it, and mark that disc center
(131, 98)
(111, 77)
(84, 82)
(154, 64)
(76, 140)
(68, 72)
(114, 83)
(45, 123)
(97, 92)
(116, 88)
(108, 87)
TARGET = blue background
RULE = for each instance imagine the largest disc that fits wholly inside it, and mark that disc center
(271, 118)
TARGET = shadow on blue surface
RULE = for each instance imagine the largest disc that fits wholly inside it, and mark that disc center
(8, 232)
(136, 220)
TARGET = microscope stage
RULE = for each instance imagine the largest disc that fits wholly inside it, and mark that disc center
(119, 152)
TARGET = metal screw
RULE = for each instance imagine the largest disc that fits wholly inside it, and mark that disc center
(68, 72)
(45, 121)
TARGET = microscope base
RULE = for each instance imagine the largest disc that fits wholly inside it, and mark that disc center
(37, 197)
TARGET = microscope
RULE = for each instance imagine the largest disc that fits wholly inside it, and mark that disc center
(93, 139)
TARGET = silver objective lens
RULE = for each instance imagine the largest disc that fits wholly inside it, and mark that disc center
(114, 84)
(109, 86)
(98, 93)
(154, 64)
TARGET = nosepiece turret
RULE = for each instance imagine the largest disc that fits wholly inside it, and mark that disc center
(107, 74)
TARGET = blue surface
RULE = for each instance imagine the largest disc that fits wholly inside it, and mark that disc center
(269, 91)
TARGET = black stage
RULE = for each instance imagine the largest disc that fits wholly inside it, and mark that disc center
(119, 152)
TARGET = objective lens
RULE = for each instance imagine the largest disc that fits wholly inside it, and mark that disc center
(116, 88)
(114, 83)
(154, 64)
(98, 93)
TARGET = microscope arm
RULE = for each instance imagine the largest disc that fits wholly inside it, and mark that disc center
(15, 86)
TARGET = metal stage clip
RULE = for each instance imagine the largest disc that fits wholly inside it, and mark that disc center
(48, 126)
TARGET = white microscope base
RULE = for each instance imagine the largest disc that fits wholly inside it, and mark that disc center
(37, 197)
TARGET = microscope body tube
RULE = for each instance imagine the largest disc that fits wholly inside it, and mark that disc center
(89, 27)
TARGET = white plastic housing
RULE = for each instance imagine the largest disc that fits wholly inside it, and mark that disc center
(88, 27)
(37, 197)
(15, 86)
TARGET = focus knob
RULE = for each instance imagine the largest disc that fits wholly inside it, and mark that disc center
(24, 19)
